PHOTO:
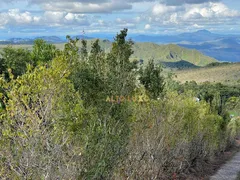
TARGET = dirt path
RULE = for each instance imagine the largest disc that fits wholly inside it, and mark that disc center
(230, 170)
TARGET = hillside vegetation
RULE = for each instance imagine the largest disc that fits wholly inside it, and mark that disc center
(79, 114)
(226, 74)
(160, 53)
(170, 53)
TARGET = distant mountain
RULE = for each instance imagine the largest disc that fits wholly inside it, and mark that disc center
(170, 53)
(17, 41)
(162, 53)
(198, 36)
(221, 47)
(161, 39)
(82, 37)
(51, 39)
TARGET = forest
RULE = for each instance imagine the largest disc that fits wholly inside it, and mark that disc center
(80, 114)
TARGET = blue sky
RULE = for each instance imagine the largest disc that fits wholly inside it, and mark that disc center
(30, 18)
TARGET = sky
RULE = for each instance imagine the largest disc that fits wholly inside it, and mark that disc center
(32, 18)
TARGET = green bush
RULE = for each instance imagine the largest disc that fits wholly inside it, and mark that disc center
(171, 135)
(233, 128)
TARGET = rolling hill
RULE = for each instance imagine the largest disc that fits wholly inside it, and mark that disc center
(171, 53)
(220, 46)
(227, 74)
(161, 53)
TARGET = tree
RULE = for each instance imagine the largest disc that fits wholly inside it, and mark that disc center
(152, 79)
(97, 77)
(122, 77)
(43, 52)
(97, 59)
(16, 60)
(83, 50)
(104, 75)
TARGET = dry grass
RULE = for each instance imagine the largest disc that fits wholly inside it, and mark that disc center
(227, 74)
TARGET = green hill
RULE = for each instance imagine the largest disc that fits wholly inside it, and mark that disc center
(225, 73)
(171, 53)
(179, 65)
(161, 53)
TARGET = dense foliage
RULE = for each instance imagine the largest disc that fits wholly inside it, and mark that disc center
(74, 114)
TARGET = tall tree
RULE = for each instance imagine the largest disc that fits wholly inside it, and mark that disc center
(97, 58)
(121, 70)
(152, 79)
(83, 50)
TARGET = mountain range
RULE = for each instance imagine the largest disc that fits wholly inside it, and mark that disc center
(14, 41)
(218, 46)
(49, 39)
(171, 55)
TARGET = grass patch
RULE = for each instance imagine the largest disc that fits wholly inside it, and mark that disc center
(226, 74)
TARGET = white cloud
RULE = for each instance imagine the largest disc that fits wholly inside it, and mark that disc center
(70, 17)
(160, 9)
(188, 14)
(210, 11)
(64, 15)
(182, 2)
(221, 9)
(133, 21)
(137, 19)
(80, 7)
(85, 6)
(3, 20)
(147, 26)
(15, 17)
(125, 23)
(53, 17)
(100, 24)
(174, 18)
(197, 26)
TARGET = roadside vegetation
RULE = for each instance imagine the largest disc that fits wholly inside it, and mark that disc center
(56, 121)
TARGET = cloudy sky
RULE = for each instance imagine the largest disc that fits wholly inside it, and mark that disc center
(29, 18)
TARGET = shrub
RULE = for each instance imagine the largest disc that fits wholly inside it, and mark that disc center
(41, 124)
(171, 136)
(233, 128)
